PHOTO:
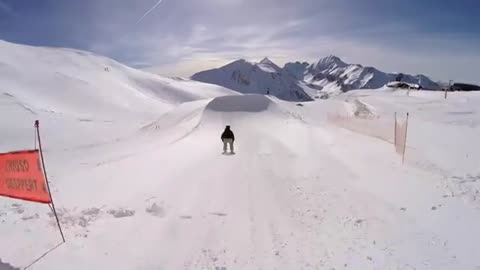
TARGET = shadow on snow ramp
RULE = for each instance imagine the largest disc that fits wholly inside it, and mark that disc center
(244, 103)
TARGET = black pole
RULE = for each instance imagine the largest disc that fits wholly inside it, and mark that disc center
(37, 127)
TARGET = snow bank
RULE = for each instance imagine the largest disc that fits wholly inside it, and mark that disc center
(213, 114)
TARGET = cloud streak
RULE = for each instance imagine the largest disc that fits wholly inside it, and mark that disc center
(191, 35)
(149, 11)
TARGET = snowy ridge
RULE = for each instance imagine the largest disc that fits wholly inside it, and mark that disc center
(268, 66)
(353, 76)
(329, 74)
(328, 64)
(88, 85)
(256, 78)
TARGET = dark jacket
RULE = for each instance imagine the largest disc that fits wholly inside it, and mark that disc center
(228, 134)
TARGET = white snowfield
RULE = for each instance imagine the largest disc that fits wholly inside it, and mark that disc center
(83, 84)
(138, 188)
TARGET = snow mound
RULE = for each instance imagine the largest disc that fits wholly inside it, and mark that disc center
(177, 123)
(242, 112)
(246, 103)
(189, 117)
(359, 109)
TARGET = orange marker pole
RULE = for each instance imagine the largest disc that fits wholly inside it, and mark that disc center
(37, 127)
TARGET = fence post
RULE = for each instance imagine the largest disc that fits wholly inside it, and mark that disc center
(395, 132)
(406, 135)
(37, 127)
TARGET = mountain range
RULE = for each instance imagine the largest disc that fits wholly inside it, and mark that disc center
(302, 81)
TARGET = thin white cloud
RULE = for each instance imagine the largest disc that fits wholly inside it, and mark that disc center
(149, 11)
(192, 35)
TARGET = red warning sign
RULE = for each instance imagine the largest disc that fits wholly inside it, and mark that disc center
(21, 177)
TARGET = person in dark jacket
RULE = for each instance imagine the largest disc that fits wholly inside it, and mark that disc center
(228, 138)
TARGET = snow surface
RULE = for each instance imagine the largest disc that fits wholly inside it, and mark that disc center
(300, 193)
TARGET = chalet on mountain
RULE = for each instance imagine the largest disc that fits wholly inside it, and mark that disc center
(404, 85)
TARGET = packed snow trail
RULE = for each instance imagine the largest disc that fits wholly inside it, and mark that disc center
(294, 196)
(299, 194)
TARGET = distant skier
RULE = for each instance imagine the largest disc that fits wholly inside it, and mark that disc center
(228, 138)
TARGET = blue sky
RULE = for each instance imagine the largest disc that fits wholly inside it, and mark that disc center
(440, 38)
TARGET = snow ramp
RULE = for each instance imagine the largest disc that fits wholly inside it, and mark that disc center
(246, 111)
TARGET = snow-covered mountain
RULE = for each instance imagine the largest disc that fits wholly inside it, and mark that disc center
(296, 81)
(74, 82)
(256, 78)
(332, 71)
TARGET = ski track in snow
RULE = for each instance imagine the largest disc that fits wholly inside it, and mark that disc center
(300, 193)
(309, 197)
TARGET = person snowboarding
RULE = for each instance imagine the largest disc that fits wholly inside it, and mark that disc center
(228, 138)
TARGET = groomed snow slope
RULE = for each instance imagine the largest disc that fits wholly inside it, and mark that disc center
(82, 84)
(82, 98)
(299, 194)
